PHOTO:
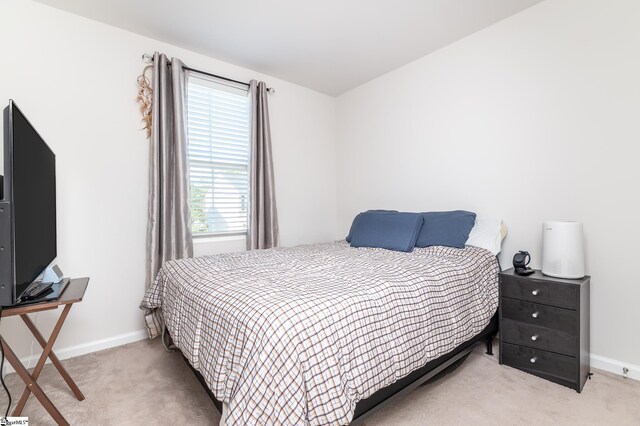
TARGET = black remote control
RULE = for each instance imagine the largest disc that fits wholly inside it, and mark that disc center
(36, 291)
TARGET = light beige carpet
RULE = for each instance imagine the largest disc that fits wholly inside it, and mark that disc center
(142, 384)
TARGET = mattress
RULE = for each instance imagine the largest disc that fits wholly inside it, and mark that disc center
(295, 336)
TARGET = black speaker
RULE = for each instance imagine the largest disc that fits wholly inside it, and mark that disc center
(520, 261)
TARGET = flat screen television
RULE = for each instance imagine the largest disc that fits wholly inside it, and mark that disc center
(28, 240)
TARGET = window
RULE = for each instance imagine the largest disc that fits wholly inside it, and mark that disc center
(218, 133)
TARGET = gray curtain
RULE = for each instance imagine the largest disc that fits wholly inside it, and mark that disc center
(169, 221)
(263, 214)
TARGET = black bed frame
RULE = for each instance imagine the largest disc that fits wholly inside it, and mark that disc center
(430, 370)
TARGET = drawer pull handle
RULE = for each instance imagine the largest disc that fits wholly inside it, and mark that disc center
(535, 292)
(535, 314)
(534, 337)
(533, 360)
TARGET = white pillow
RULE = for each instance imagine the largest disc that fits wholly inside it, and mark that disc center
(487, 234)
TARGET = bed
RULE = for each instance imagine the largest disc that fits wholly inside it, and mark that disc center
(323, 333)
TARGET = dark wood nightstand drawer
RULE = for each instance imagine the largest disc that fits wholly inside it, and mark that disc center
(538, 291)
(541, 363)
(541, 315)
(533, 336)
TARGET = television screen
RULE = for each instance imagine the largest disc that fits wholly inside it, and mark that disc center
(33, 197)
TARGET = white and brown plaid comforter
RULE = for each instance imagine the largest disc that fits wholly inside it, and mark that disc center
(298, 336)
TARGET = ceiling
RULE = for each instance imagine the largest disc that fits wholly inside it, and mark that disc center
(328, 45)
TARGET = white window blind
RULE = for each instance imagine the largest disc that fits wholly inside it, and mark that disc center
(218, 132)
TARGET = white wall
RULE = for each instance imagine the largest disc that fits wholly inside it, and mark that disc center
(534, 118)
(531, 119)
(75, 79)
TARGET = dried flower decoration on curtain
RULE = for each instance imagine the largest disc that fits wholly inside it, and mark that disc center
(145, 93)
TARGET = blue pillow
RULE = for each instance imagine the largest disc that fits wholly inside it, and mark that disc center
(392, 231)
(449, 229)
(355, 220)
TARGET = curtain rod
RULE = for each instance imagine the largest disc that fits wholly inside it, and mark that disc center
(149, 58)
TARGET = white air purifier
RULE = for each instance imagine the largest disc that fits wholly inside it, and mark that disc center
(562, 250)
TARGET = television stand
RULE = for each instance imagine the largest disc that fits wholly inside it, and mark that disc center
(73, 293)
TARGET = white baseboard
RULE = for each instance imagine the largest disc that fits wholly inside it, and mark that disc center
(600, 362)
(616, 367)
(82, 349)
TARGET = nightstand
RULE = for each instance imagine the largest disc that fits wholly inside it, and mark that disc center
(544, 326)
